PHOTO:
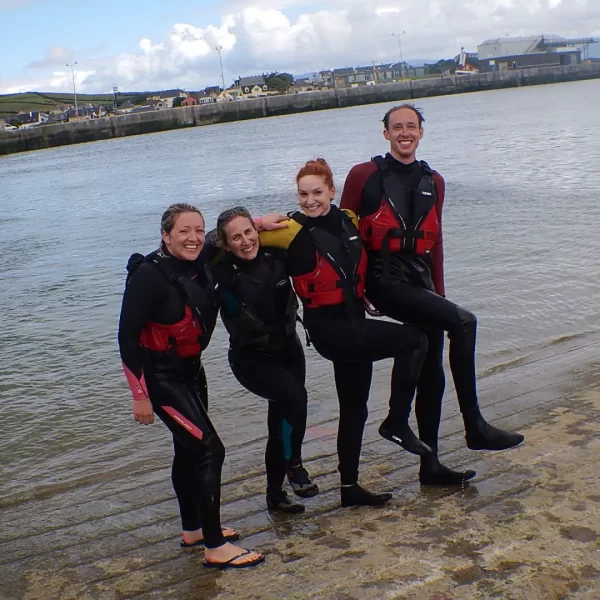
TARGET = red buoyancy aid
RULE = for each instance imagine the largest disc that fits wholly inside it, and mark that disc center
(388, 228)
(336, 278)
(184, 336)
(325, 287)
(190, 335)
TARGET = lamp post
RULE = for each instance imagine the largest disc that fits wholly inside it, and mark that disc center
(397, 35)
(74, 91)
(218, 49)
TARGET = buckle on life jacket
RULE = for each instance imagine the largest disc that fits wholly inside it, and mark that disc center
(409, 237)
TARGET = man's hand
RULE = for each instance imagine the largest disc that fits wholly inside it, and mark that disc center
(142, 411)
(371, 310)
(272, 221)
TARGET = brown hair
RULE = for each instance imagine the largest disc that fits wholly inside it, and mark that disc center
(319, 167)
(415, 109)
(226, 217)
(170, 215)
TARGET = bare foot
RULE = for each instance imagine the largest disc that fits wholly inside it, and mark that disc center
(227, 551)
(197, 537)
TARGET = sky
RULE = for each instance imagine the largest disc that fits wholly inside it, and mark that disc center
(158, 44)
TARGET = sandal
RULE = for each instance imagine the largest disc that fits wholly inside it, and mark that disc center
(229, 564)
(228, 538)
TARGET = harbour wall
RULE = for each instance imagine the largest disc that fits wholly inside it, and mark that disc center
(49, 136)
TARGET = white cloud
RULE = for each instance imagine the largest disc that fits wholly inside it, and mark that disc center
(57, 81)
(57, 55)
(260, 36)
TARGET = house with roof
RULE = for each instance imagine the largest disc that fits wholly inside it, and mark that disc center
(168, 96)
(326, 78)
(155, 104)
(56, 117)
(31, 118)
(189, 101)
(214, 91)
(205, 98)
(251, 87)
(302, 86)
(126, 107)
(529, 52)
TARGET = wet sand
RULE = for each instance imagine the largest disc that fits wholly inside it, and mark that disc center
(527, 528)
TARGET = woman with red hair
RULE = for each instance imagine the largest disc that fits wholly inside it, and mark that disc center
(327, 264)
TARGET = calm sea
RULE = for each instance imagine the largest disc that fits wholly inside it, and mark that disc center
(521, 239)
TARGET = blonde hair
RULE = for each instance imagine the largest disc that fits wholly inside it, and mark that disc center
(170, 215)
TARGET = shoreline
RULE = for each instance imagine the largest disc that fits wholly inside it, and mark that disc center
(506, 361)
(50, 136)
(526, 527)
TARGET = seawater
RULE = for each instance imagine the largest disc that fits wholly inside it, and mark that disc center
(520, 235)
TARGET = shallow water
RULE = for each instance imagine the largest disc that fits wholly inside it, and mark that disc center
(521, 246)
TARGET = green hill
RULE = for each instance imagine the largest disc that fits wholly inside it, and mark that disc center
(36, 101)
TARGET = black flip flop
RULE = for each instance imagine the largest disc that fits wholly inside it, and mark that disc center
(229, 564)
(229, 538)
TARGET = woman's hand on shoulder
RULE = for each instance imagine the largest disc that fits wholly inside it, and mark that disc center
(142, 411)
(271, 222)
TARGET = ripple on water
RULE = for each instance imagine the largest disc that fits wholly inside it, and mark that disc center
(520, 241)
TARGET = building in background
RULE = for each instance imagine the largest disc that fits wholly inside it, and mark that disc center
(532, 51)
(251, 87)
(372, 74)
(167, 97)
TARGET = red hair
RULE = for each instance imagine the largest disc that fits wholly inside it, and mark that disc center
(318, 167)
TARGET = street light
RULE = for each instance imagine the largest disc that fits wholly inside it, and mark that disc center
(218, 49)
(400, 47)
(74, 91)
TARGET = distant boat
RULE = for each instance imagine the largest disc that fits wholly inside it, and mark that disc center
(464, 68)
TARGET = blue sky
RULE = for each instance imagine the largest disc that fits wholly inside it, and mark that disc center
(161, 44)
(31, 27)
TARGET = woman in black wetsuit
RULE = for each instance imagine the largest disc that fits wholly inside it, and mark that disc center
(168, 314)
(259, 309)
(327, 264)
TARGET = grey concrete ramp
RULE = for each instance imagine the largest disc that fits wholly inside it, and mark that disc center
(527, 528)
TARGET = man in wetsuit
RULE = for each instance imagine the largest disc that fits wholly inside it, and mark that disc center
(399, 202)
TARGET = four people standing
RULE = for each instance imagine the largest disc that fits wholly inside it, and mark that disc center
(390, 256)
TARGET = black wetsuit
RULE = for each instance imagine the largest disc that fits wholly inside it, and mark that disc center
(353, 344)
(177, 389)
(411, 290)
(258, 307)
(409, 295)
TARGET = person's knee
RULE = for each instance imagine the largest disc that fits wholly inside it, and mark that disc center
(467, 321)
(215, 450)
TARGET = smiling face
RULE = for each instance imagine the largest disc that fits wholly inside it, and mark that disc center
(241, 238)
(404, 134)
(186, 238)
(314, 195)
